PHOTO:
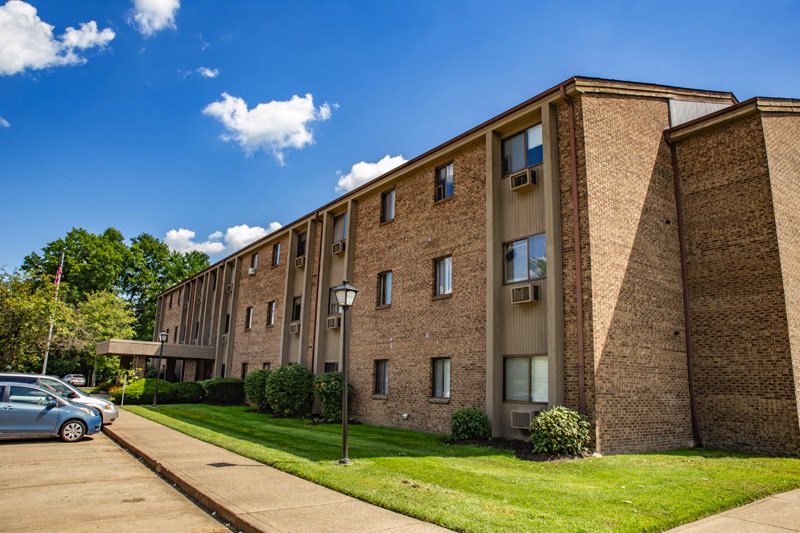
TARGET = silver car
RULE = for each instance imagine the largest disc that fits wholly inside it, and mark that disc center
(106, 409)
(75, 379)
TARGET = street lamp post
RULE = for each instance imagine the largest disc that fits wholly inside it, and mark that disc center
(162, 336)
(345, 295)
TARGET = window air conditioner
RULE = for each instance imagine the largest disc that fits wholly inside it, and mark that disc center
(230, 287)
(294, 328)
(300, 262)
(522, 419)
(251, 271)
(334, 322)
(525, 294)
(523, 180)
(338, 247)
(225, 338)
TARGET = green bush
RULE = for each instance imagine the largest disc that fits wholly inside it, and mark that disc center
(290, 390)
(560, 430)
(140, 392)
(224, 390)
(102, 387)
(189, 392)
(328, 390)
(255, 387)
(470, 423)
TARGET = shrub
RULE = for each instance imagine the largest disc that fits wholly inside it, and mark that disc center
(290, 390)
(224, 390)
(470, 423)
(255, 387)
(328, 390)
(189, 392)
(140, 392)
(102, 387)
(560, 430)
(151, 371)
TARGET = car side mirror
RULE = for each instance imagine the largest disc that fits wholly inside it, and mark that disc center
(51, 402)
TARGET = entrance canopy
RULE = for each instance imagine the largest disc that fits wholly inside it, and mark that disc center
(150, 349)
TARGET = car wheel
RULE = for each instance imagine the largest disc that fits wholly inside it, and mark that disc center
(72, 431)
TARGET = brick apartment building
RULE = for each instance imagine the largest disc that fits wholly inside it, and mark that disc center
(679, 326)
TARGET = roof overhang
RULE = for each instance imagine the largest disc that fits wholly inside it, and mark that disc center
(151, 349)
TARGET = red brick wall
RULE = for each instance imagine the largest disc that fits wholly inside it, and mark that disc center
(417, 328)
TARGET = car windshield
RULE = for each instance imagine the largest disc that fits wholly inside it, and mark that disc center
(62, 389)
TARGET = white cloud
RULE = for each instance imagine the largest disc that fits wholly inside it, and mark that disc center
(235, 238)
(4, 123)
(274, 126)
(208, 72)
(152, 16)
(363, 172)
(27, 42)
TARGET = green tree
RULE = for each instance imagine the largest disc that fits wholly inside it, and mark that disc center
(103, 316)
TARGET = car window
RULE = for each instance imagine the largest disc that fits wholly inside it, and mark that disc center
(28, 396)
(2, 392)
(57, 386)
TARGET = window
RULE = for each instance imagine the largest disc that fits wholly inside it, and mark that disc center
(525, 259)
(333, 304)
(276, 254)
(523, 150)
(331, 366)
(227, 322)
(387, 206)
(444, 182)
(441, 378)
(271, 313)
(297, 307)
(175, 336)
(385, 289)
(32, 396)
(170, 300)
(340, 227)
(525, 378)
(443, 282)
(180, 293)
(265, 366)
(301, 244)
(254, 261)
(382, 376)
(248, 319)
(244, 370)
(196, 330)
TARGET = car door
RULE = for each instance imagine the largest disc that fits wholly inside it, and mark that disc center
(27, 411)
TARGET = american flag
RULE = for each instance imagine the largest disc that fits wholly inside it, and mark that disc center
(58, 272)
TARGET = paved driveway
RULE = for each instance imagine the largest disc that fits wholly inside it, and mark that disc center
(92, 485)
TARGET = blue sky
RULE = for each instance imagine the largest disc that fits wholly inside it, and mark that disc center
(115, 123)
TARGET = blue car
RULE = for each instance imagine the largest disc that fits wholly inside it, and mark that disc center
(29, 411)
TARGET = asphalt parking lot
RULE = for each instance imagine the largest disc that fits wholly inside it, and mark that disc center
(92, 485)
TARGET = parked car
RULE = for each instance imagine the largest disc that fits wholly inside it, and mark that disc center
(75, 379)
(107, 409)
(31, 411)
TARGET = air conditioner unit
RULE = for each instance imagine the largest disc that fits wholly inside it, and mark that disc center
(294, 328)
(525, 294)
(300, 262)
(230, 287)
(334, 322)
(522, 419)
(251, 271)
(523, 180)
(338, 247)
(225, 338)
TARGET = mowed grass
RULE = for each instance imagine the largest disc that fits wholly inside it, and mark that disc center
(469, 488)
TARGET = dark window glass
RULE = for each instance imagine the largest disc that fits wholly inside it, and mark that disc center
(523, 150)
(444, 182)
(244, 370)
(387, 206)
(271, 313)
(254, 261)
(248, 318)
(276, 254)
(297, 306)
(441, 378)
(525, 259)
(382, 377)
(385, 288)
(443, 284)
(301, 244)
(331, 366)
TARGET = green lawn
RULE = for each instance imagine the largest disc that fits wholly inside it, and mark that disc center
(470, 488)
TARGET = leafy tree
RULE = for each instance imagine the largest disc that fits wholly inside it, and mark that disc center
(103, 316)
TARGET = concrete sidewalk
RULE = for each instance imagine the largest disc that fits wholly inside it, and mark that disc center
(774, 514)
(247, 494)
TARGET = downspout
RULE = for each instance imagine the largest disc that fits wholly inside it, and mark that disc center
(316, 302)
(576, 232)
(685, 282)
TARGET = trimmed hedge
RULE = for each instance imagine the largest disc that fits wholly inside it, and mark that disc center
(290, 390)
(328, 390)
(224, 390)
(189, 392)
(470, 423)
(255, 387)
(560, 430)
(140, 392)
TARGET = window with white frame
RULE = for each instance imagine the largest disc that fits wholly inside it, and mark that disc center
(525, 378)
(271, 313)
(523, 150)
(248, 318)
(382, 376)
(443, 276)
(385, 289)
(525, 259)
(387, 206)
(276, 254)
(441, 377)
(444, 182)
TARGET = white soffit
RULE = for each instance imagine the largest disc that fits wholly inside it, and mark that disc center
(682, 111)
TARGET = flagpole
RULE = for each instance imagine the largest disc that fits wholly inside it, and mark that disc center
(53, 317)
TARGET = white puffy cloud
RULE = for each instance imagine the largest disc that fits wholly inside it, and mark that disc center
(4, 123)
(27, 42)
(363, 172)
(152, 16)
(208, 72)
(274, 126)
(235, 238)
